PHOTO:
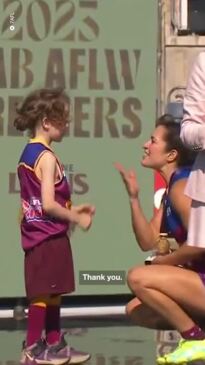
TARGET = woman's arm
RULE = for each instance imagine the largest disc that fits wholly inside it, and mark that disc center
(193, 124)
(181, 203)
(146, 233)
(180, 257)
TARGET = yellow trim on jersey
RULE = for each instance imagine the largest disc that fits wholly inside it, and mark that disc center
(40, 155)
(42, 140)
(39, 140)
(26, 166)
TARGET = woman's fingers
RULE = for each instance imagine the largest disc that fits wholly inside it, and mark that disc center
(120, 168)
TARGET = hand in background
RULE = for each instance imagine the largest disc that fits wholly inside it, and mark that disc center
(130, 180)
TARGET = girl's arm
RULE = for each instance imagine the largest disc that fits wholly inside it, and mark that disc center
(47, 168)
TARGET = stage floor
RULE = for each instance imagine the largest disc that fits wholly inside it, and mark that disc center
(111, 342)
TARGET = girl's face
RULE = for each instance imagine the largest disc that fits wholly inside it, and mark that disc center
(155, 154)
(58, 128)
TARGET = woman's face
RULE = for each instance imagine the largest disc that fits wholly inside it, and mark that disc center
(155, 154)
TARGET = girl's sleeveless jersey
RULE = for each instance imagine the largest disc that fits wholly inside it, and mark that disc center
(36, 226)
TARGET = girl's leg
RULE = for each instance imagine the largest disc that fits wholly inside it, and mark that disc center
(53, 330)
(36, 320)
(55, 340)
(36, 350)
(171, 292)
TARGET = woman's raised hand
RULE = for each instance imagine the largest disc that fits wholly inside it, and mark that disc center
(130, 180)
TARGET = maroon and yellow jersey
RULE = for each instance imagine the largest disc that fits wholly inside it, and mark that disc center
(36, 226)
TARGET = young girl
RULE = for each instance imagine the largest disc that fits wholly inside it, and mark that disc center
(172, 294)
(47, 212)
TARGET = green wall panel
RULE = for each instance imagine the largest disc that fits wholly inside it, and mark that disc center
(104, 53)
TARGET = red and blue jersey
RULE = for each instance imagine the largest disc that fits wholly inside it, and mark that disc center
(171, 220)
(36, 225)
(172, 223)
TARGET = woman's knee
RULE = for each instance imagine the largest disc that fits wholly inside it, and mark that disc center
(136, 277)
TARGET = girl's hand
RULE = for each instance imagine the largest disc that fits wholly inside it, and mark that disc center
(130, 180)
(85, 208)
(83, 215)
(85, 221)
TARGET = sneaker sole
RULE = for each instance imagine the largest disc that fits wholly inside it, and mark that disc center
(190, 362)
(53, 362)
(78, 359)
(45, 362)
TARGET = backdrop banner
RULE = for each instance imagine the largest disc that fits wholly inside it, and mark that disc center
(103, 53)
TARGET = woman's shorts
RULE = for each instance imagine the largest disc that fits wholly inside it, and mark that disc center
(202, 277)
(48, 268)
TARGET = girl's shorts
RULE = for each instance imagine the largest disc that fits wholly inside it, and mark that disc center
(48, 268)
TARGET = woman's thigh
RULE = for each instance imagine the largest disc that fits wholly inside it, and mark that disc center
(185, 287)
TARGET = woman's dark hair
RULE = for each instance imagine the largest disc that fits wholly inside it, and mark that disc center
(186, 157)
(51, 103)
